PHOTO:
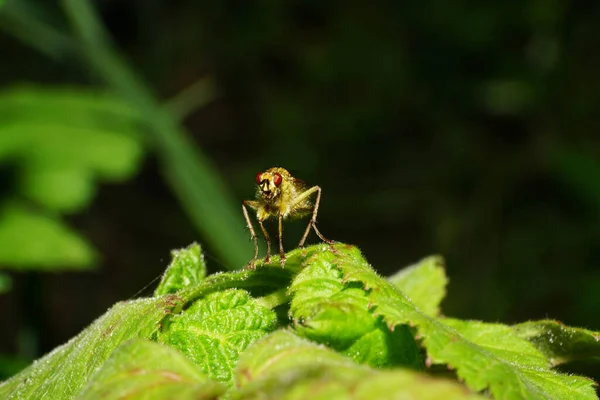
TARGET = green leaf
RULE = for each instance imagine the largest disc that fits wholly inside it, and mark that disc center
(560, 343)
(222, 332)
(187, 268)
(283, 350)
(424, 283)
(328, 311)
(32, 240)
(513, 361)
(284, 366)
(215, 329)
(142, 369)
(68, 368)
(485, 356)
(61, 141)
(63, 373)
(59, 188)
(5, 283)
(63, 158)
(75, 106)
(263, 281)
(65, 139)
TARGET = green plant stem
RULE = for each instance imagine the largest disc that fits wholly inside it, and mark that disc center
(193, 97)
(189, 172)
(19, 19)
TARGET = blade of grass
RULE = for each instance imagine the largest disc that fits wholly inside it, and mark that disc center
(193, 97)
(189, 172)
(26, 23)
(24, 20)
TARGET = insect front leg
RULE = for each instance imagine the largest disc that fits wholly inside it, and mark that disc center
(268, 239)
(281, 252)
(251, 204)
(313, 220)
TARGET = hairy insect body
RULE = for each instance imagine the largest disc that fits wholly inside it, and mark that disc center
(282, 202)
(280, 195)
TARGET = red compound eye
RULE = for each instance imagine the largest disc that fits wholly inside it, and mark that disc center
(277, 179)
(258, 178)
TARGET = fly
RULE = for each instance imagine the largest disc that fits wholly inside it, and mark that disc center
(280, 195)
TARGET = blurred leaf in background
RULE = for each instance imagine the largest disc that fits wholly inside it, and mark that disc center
(32, 240)
(56, 145)
(5, 283)
(60, 143)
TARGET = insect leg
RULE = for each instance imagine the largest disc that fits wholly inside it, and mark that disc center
(268, 239)
(251, 228)
(281, 252)
(313, 219)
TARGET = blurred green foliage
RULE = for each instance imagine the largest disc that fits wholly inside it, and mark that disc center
(5, 283)
(468, 130)
(59, 142)
(187, 170)
(63, 140)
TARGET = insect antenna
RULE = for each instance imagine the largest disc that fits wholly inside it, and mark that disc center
(136, 294)
(207, 254)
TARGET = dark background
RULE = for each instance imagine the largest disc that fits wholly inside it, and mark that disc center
(463, 128)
